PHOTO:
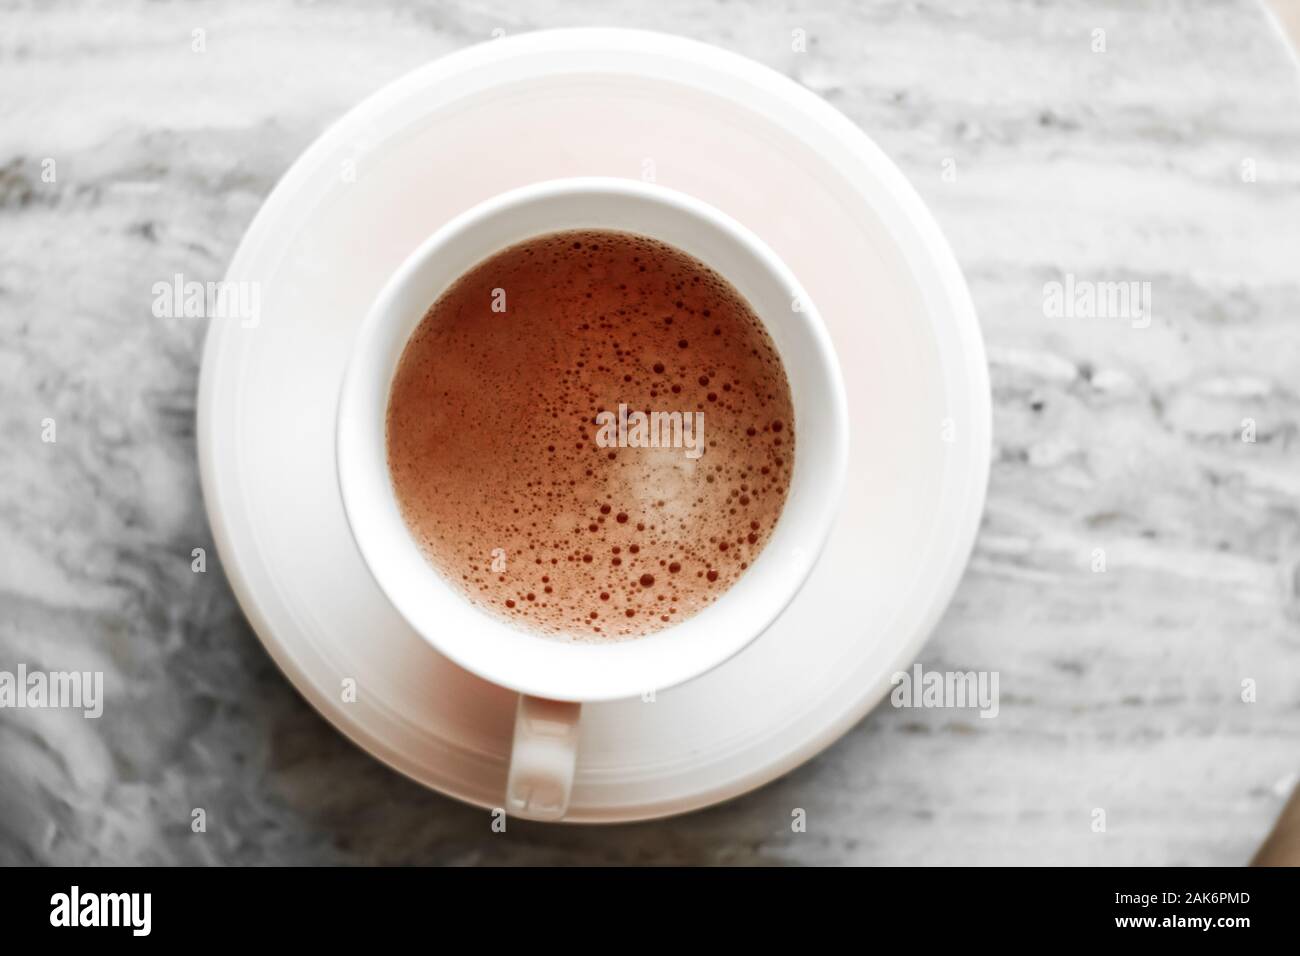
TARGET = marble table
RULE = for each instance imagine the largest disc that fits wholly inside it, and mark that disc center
(1160, 150)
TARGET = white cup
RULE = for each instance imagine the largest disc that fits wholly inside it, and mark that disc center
(554, 677)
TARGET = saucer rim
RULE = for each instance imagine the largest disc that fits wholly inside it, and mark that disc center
(550, 42)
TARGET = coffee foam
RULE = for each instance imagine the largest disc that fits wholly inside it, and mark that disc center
(495, 432)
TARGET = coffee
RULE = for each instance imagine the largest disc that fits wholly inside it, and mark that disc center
(591, 434)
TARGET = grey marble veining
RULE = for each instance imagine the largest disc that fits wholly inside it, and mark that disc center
(1120, 690)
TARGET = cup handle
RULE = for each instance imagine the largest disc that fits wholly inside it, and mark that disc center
(543, 758)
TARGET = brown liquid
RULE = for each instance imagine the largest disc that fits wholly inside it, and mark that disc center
(501, 458)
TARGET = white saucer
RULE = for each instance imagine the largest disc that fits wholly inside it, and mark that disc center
(609, 103)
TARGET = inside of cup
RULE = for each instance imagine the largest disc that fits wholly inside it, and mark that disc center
(585, 669)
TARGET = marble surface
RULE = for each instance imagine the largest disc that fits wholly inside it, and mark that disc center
(1120, 690)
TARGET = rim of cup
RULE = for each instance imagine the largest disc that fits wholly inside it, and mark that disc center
(608, 669)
